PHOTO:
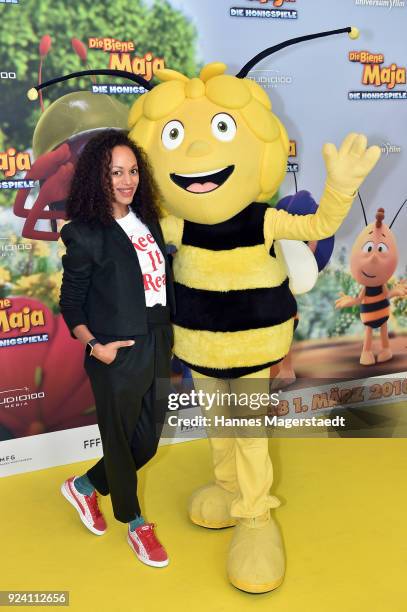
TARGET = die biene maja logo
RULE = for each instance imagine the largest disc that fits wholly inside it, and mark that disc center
(378, 75)
(121, 58)
(12, 162)
(270, 9)
(19, 322)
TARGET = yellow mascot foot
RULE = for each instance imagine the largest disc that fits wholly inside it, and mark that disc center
(256, 562)
(384, 355)
(209, 507)
(367, 358)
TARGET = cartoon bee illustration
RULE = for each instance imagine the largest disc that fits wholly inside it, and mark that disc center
(62, 131)
(219, 154)
(373, 261)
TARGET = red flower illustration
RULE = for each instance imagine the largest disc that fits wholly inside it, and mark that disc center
(79, 49)
(45, 45)
(43, 385)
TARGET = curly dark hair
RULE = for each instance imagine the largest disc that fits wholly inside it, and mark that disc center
(91, 193)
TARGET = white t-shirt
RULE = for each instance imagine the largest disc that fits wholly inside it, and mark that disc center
(150, 257)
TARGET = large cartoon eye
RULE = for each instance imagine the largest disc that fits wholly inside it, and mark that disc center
(223, 127)
(368, 247)
(382, 248)
(173, 134)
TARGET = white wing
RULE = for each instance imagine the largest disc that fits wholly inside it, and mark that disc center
(302, 268)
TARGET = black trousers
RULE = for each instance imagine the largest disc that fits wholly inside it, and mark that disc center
(131, 396)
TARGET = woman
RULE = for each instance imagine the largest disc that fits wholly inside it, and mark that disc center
(116, 298)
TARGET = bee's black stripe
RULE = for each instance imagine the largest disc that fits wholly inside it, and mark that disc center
(374, 306)
(230, 372)
(376, 323)
(372, 291)
(238, 310)
(243, 230)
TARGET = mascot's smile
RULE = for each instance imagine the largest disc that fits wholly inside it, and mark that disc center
(202, 182)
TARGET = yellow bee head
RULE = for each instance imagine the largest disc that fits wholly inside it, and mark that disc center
(213, 142)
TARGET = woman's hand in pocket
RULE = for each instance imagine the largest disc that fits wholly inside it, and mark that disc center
(107, 353)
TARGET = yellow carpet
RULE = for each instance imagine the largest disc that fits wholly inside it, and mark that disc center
(343, 519)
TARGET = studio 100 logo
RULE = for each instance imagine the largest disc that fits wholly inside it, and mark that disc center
(4, 74)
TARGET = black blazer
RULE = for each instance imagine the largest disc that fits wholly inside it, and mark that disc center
(102, 285)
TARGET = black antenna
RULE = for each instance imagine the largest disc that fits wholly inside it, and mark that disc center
(33, 92)
(353, 33)
(295, 181)
(363, 208)
(397, 213)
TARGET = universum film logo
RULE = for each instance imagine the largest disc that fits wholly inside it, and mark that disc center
(9, 1)
(376, 74)
(389, 4)
(275, 10)
(120, 58)
(389, 149)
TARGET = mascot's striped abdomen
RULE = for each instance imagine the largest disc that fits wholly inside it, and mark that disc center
(235, 311)
(375, 307)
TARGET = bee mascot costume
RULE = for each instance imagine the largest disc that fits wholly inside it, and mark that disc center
(219, 153)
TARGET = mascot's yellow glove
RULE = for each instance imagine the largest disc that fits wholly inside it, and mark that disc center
(346, 170)
(348, 167)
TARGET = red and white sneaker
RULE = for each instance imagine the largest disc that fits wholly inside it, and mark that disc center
(86, 505)
(146, 545)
